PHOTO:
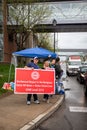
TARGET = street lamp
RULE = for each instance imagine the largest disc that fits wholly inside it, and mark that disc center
(54, 24)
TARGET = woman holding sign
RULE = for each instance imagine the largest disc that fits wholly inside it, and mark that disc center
(46, 66)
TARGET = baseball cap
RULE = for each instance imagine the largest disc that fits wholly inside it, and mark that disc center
(36, 57)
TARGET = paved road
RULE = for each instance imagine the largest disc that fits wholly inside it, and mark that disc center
(72, 115)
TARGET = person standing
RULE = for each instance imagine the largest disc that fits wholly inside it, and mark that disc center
(33, 65)
(46, 66)
(58, 69)
(52, 64)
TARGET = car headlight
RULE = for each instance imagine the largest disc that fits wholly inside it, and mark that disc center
(82, 75)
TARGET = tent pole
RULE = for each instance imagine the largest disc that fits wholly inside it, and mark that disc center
(14, 62)
(9, 73)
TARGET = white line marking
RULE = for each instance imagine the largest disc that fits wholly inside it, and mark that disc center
(77, 109)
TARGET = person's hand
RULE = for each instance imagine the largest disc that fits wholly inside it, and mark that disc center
(25, 67)
(32, 68)
(29, 67)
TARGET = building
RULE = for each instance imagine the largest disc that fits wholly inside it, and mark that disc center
(8, 36)
(71, 17)
(1, 32)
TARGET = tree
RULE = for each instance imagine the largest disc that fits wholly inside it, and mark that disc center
(26, 16)
(45, 40)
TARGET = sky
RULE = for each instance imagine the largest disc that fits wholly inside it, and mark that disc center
(72, 40)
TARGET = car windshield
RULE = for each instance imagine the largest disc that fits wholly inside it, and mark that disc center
(84, 63)
(74, 63)
(84, 69)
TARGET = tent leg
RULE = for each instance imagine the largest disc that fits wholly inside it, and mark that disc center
(9, 73)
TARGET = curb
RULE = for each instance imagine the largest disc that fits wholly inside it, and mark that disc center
(8, 93)
(34, 123)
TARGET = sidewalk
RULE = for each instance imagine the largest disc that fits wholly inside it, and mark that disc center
(16, 115)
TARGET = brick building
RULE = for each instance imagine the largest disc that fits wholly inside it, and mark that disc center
(7, 36)
(1, 31)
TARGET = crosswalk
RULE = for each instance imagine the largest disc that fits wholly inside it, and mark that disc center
(77, 109)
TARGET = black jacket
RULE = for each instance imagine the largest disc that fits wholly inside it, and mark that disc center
(58, 70)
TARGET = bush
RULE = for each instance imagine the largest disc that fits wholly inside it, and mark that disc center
(4, 75)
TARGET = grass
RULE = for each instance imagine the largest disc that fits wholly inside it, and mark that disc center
(4, 74)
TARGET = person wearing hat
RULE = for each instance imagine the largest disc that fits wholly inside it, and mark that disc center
(34, 66)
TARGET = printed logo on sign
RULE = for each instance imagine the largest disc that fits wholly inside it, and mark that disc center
(35, 75)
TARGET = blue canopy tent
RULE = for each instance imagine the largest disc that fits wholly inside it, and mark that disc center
(37, 51)
(31, 53)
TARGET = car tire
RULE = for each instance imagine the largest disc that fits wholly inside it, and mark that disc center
(68, 74)
(85, 90)
(77, 79)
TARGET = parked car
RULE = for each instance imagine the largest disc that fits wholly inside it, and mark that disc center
(85, 84)
(73, 63)
(81, 73)
(84, 63)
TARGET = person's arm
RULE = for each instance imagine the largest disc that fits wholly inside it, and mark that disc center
(25, 67)
(29, 66)
(57, 70)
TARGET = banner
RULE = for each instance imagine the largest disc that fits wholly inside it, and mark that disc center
(32, 81)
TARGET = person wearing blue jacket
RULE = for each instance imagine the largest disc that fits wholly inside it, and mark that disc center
(33, 65)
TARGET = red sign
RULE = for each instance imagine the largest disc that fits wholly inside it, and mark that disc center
(75, 57)
(32, 81)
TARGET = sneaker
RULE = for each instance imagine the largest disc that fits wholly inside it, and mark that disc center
(51, 96)
(28, 102)
(48, 101)
(37, 102)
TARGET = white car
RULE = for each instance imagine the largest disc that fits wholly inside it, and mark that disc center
(84, 63)
(72, 67)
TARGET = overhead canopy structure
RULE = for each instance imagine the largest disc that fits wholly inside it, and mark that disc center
(37, 51)
(74, 27)
(32, 1)
(70, 15)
